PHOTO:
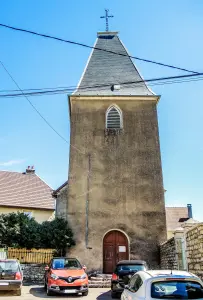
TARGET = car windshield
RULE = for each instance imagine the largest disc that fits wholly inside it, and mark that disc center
(9, 266)
(176, 290)
(130, 268)
(65, 263)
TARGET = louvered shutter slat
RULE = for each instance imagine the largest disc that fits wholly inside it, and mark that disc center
(113, 119)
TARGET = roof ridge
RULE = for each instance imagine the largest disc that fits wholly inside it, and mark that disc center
(176, 206)
(11, 171)
(44, 181)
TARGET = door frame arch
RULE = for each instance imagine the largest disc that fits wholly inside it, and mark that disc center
(114, 229)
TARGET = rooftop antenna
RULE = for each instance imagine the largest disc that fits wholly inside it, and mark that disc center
(107, 18)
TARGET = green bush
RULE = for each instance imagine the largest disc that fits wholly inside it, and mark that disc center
(56, 235)
(19, 231)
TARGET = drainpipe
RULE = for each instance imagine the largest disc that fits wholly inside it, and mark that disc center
(87, 203)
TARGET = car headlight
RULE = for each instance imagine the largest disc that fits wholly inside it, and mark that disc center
(83, 276)
(54, 276)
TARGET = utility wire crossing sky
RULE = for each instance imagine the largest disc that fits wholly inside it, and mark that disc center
(91, 47)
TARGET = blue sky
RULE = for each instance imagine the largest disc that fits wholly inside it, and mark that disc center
(166, 31)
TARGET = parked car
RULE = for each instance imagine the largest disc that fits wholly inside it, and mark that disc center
(163, 285)
(65, 276)
(11, 276)
(122, 274)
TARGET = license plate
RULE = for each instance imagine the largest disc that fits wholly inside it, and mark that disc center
(70, 291)
(3, 283)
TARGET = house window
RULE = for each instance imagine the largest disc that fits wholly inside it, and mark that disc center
(28, 213)
(114, 119)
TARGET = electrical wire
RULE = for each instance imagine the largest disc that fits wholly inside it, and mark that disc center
(152, 82)
(72, 88)
(36, 110)
(97, 48)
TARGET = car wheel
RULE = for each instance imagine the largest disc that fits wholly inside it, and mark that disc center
(85, 293)
(49, 293)
(19, 292)
(114, 295)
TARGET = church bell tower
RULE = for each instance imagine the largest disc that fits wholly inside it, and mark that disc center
(115, 199)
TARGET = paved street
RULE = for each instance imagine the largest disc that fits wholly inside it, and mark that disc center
(37, 292)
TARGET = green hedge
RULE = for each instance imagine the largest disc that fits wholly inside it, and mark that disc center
(20, 231)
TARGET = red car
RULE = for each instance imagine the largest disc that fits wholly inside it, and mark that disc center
(65, 276)
(11, 275)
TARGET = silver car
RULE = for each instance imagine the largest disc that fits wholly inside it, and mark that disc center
(163, 285)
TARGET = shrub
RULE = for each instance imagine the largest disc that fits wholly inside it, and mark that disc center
(20, 231)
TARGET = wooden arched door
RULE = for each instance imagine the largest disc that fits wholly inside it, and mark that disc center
(115, 248)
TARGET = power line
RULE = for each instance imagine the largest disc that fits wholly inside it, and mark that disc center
(73, 88)
(35, 89)
(36, 110)
(153, 81)
(91, 47)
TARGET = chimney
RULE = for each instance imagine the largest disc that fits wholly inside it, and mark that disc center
(189, 207)
(30, 170)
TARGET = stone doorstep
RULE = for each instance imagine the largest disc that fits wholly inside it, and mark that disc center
(99, 279)
(99, 282)
(99, 285)
(104, 276)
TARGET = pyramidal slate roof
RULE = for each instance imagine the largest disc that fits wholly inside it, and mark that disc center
(25, 190)
(105, 70)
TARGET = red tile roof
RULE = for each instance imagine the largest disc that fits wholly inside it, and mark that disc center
(25, 190)
(173, 214)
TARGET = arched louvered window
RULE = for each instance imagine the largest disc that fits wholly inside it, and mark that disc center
(114, 118)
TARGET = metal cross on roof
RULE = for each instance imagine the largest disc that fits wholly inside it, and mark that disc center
(107, 19)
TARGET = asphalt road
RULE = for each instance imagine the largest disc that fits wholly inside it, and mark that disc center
(37, 293)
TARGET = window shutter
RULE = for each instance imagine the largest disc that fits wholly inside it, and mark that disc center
(113, 119)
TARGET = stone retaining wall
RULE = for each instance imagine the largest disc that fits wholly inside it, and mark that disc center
(168, 255)
(194, 250)
(33, 273)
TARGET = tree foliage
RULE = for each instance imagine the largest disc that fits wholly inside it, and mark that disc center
(20, 231)
(57, 235)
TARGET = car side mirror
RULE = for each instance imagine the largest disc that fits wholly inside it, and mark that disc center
(46, 268)
(84, 268)
(22, 268)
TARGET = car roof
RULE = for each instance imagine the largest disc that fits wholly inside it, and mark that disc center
(176, 273)
(131, 262)
(157, 274)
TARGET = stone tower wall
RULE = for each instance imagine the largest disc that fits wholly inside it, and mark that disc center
(125, 183)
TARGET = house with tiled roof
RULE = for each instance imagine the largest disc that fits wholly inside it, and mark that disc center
(26, 192)
(175, 217)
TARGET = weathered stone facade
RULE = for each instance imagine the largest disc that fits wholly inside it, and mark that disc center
(61, 202)
(168, 255)
(194, 242)
(117, 177)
